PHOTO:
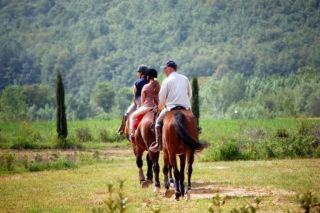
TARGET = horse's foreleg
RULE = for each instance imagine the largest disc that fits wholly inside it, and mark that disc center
(149, 171)
(182, 166)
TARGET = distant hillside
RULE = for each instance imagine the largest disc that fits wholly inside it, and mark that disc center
(105, 40)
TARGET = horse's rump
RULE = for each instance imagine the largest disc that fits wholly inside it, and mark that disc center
(181, 125)
(144, 129)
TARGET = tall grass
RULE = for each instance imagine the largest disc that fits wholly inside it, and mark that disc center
(261, 139)
(229, 139)
(42, 135)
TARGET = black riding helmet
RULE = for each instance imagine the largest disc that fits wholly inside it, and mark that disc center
(142, 68)
(152, 73)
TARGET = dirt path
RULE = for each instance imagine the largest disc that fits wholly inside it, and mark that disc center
(47, 153)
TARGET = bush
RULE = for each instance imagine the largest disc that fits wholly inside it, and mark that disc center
(59, 164)
(83, 134)
(211, 154)
(63, 143)
(230, 151)
(7, 161)
(282, 133)
(103, 135)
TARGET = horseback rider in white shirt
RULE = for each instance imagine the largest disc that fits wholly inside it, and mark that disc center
(175, 92)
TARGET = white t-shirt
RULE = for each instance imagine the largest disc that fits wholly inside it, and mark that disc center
(175, 91)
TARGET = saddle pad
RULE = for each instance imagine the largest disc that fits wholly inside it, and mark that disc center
(137, 121)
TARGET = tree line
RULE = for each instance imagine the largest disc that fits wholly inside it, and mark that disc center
(238, 47)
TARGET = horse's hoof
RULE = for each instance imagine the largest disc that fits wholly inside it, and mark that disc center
(144, 184)
(171, 184)
(188, 194)
(150, 181)
(156, 189)
(169, 193)
(178, 195)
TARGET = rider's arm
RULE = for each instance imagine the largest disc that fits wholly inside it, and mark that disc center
(143, 96)
(163, 94)
(156, 97)
(189, 90)
(134, 90)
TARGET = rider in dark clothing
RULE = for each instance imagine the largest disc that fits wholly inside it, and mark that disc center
(137, 88)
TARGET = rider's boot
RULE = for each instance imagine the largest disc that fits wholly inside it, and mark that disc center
(132, 136)
(157, 145)
(123, 123)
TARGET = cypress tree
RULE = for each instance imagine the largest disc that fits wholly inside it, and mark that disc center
(195, 99)
(62, 129)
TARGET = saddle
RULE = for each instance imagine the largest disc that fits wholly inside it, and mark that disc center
(178, 108)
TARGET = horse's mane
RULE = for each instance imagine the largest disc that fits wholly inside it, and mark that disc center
(184, 135)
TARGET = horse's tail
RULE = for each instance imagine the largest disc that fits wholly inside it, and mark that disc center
(184, 135)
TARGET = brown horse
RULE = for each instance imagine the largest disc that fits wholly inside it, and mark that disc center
(180, 137)
(144, 136)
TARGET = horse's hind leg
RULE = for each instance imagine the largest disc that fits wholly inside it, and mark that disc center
(149, 171)
(156, 169)
(190, 162)
(182, 166)
(171, 182)
(139, 163)
(176, 173)
(166, 168)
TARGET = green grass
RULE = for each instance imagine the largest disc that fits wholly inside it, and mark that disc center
(42, 135)
(214, 130)
(84, 188)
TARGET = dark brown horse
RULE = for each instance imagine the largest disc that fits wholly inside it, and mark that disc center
(180, 137)
(144, 136)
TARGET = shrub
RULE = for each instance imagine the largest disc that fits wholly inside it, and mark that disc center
(25, 161)
(59, 164)
(211, 154)
(83, 134)
(230, 151)
(282, 133)
(103, 135)
(308, 200)
(305, 127)
(63, 143)
(96, 156)
(7, 161)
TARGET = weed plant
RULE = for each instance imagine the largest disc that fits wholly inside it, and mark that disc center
(83, 134)
(116, 202)
(217, 203)
(309, 201)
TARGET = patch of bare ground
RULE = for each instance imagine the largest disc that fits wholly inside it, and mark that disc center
(49, 153)
(205, 190)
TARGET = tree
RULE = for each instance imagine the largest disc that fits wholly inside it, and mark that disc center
(13, 104)
(62, 129)
(195, 99)
(103, 96)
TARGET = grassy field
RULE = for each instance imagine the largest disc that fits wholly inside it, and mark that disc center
(212, 130)
(85, 188)
(77, 180)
